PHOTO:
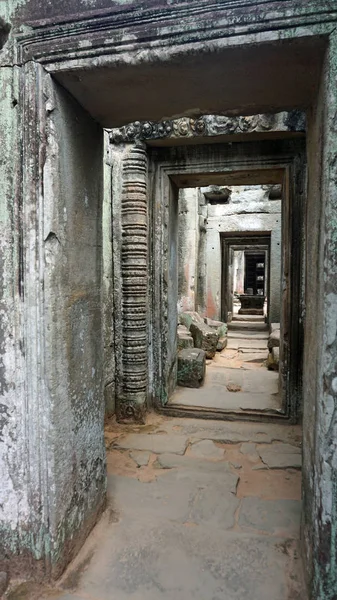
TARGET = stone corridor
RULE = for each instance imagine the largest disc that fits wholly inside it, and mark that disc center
(197, 509)
(237, 378)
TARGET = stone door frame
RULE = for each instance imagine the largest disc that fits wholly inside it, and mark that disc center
(235, 240)
(171, 170)
(53, 48)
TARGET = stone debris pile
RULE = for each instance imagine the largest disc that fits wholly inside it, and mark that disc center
(195, 332)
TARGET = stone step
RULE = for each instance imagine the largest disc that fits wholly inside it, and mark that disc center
(247, 326)
(251, 335)
(247, 344)
(252, 318)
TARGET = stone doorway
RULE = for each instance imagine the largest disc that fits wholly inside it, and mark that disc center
(226, 366)
(236, 248)
(56, 409)
(178, 169)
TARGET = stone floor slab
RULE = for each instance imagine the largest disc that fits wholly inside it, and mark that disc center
(158, 444)
(281, 456)
(206, 449)
(191, 532)
(280, 517)
(162, 561)
(141, 457)
(172, 461)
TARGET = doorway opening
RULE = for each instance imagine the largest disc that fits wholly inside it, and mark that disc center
(228, 352)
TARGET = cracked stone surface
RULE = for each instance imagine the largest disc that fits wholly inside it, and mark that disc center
(206, 449)
(196, 524)
(154, 443)
(171, 461)
(141, 457)
(280, 456)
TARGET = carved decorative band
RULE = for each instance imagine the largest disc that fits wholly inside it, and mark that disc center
(134, 260)
(208, 125)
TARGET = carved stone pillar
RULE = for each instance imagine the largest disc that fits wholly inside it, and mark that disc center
(133, 385)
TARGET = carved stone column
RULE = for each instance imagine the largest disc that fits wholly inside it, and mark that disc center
(132, 400)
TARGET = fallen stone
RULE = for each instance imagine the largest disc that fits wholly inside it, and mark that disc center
(205, 338)
(213, 322)
(274, 339)
(206, 449)
(274, 326)
(222, 343)
(141, 457)
(280, 456)
(159, 444)
(184, 338)
(191, 367)
(4, 581)
(189, 317)
(220, 327)
(183, 329)
(276, 355)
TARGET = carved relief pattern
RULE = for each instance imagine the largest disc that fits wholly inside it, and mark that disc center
(208, 125)
(134, 284)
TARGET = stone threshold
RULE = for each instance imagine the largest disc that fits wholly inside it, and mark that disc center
(262, 416)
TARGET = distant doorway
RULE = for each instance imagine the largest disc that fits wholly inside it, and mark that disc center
(246, 275)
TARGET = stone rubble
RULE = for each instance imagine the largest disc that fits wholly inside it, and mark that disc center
(191, 367)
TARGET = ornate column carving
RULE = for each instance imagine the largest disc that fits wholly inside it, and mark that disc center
(134, 285)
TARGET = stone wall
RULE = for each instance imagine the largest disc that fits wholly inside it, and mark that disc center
(123, 62)
(201, 224)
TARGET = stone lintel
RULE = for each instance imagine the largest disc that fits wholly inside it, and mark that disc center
(209, 126)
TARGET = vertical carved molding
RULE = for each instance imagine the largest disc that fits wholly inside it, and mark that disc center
(134, 267)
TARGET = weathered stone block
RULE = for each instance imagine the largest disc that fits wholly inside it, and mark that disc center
(274, 339)
(191, 367)
(276, 356)
(188, 317)
(205, 337)
(222, 343)
(184, 338)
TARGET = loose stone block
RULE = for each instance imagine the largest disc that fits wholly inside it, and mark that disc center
(188, 317)
(184, 338)
(222, 343)
(191, 367)
(276, 356)
(205, 338)
(274, 339)
(220, 327)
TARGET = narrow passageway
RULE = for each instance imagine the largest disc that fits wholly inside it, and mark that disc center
(196, 510)
(237, 378)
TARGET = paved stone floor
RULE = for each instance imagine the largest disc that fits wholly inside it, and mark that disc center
(237, 378)
(197, 510)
